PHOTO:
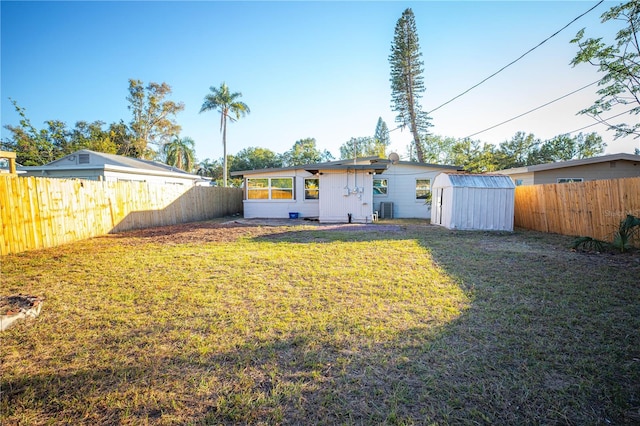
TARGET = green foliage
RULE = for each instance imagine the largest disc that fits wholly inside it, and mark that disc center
(620, 64)
(153, 122)
(521, 150)
(362, 147)
(305, 151)
(381, 135)
(210, 168)
(588, 244)
(37, 147)
(229, 106)
(628, 231)
(407, 82)
(180, 153)
(254, 158)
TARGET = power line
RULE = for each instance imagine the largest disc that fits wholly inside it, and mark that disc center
(601, 121)
(513, 62)
(531, 110)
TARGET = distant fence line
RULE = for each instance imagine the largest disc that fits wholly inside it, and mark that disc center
(43, 212)
(593, 209)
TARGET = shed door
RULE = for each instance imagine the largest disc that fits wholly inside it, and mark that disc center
(439, 195)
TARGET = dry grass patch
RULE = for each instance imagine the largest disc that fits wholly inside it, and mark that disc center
(227, 324)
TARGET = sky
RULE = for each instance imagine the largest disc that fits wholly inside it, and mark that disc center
(306, 69)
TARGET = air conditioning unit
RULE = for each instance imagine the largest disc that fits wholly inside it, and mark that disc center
(386, 210)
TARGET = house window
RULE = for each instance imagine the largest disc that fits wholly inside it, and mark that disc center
(270, 189)
(312, 189)
(518, 182)
(423, 189)
(380, 187)
(569, 180)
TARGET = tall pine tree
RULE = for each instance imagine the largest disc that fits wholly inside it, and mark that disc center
(407, 83)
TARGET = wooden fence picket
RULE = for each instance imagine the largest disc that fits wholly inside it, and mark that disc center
(43, 212)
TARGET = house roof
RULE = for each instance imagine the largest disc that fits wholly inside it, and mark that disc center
(571, 163)
(103, 161)
(463, 180)
(376, 164)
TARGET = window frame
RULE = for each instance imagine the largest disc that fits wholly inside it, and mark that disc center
(386, 187)
(426, 196)
(306, 190)
(270, 188)
(569, 180)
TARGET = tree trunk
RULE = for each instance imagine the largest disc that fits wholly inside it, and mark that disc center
(224, 152)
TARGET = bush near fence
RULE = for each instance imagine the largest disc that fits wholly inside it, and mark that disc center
(43, 212)
(590, 209)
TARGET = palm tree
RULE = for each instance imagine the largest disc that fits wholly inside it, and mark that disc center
(230, 108)
(180, 153)
(209, 168)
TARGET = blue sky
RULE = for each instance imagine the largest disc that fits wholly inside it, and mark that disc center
(306, 69)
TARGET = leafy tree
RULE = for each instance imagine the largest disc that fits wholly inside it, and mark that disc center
(407, 83)
(153, 122)
(91, 136)
(361, 147)
(473, 156)
(230, 108)
(381, 135)
(33, 147)
(620, 63)
(564, 148)
(304, 151)
(180, 153)
(210, 168)
(254, 158)
(438, 149)
(517, 152)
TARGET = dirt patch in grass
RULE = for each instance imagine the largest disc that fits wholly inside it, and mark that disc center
(390, 323)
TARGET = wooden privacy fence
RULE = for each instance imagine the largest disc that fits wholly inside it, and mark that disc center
(591, 209)
(40, 212)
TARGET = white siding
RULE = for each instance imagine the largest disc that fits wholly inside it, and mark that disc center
(280, 209)
(336, 205)
(402, 190)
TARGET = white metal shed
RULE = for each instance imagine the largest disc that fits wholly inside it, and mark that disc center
(473, 202)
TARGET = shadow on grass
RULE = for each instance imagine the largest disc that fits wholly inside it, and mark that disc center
(550, 337)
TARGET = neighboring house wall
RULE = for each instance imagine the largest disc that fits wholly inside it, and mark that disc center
(606, 170)
(280, 209)
(336, 205)
(611, 166)
(520, 179)
(401, 190)
(108, 174)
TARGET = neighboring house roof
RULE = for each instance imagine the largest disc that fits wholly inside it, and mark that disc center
(458, 180)
(111, 162)
(571, 163)
(377, 164)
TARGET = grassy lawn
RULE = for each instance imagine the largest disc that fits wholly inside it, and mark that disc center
(394, 323)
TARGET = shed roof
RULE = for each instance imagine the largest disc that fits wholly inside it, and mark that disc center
(473, 181)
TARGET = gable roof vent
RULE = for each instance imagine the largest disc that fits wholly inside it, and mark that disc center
(83, 158)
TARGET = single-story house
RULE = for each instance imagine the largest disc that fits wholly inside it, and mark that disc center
(350, 190)
(473, 202)
(612, 166)
(90, 165)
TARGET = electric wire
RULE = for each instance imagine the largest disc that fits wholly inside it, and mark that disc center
(601, 121)
(516, 60)
(531, 110)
